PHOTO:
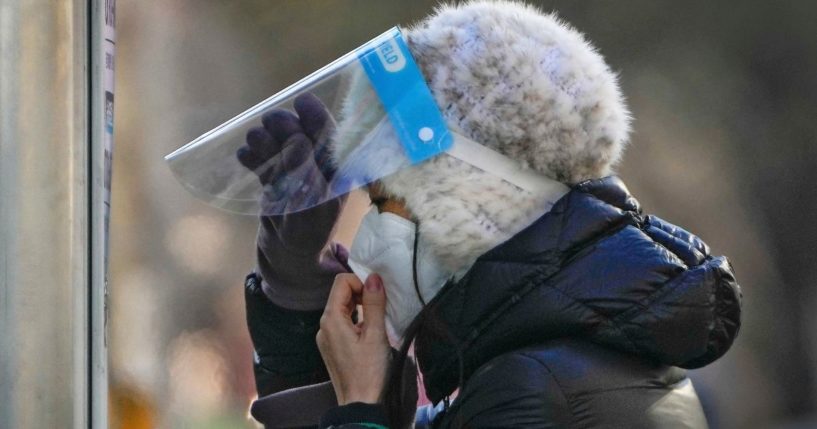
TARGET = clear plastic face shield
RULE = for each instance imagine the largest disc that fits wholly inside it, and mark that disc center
(288, 153)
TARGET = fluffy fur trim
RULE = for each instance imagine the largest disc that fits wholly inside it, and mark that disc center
(517, 80)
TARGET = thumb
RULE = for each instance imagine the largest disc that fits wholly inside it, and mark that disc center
(374, 308)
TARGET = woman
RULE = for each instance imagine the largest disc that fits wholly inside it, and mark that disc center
(566, 309)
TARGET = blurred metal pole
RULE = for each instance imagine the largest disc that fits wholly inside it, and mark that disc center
(52, 357)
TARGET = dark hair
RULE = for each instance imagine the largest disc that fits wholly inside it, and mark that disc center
(399, 395)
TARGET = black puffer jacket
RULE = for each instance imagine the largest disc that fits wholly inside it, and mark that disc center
(582, 320)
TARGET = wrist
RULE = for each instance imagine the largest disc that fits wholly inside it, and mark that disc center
(366, 397)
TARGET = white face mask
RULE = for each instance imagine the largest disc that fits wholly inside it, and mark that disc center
(384, 244)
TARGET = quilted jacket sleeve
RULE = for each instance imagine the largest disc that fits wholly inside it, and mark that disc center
(709, 319)
(286, 354)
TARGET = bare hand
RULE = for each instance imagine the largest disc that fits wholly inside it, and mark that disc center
(356, 355)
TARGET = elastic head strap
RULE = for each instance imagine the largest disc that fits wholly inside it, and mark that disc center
(491, 161)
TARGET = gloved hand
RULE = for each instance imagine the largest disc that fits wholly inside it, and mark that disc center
(296, 264)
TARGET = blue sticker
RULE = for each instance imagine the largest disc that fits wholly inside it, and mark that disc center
(406, 98)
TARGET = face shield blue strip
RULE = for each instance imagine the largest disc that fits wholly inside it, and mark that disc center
(402, 89)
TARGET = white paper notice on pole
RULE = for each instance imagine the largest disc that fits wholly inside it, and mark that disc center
(109, 49)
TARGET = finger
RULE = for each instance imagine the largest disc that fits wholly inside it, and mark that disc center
(336, 320)
(261, 142)
(315, 119)
(341, 297)
(248, 158)
(318, 125)
(374, 308)
(280, 169)
(281, 124)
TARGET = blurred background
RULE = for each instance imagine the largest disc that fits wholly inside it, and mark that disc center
(724, 97)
